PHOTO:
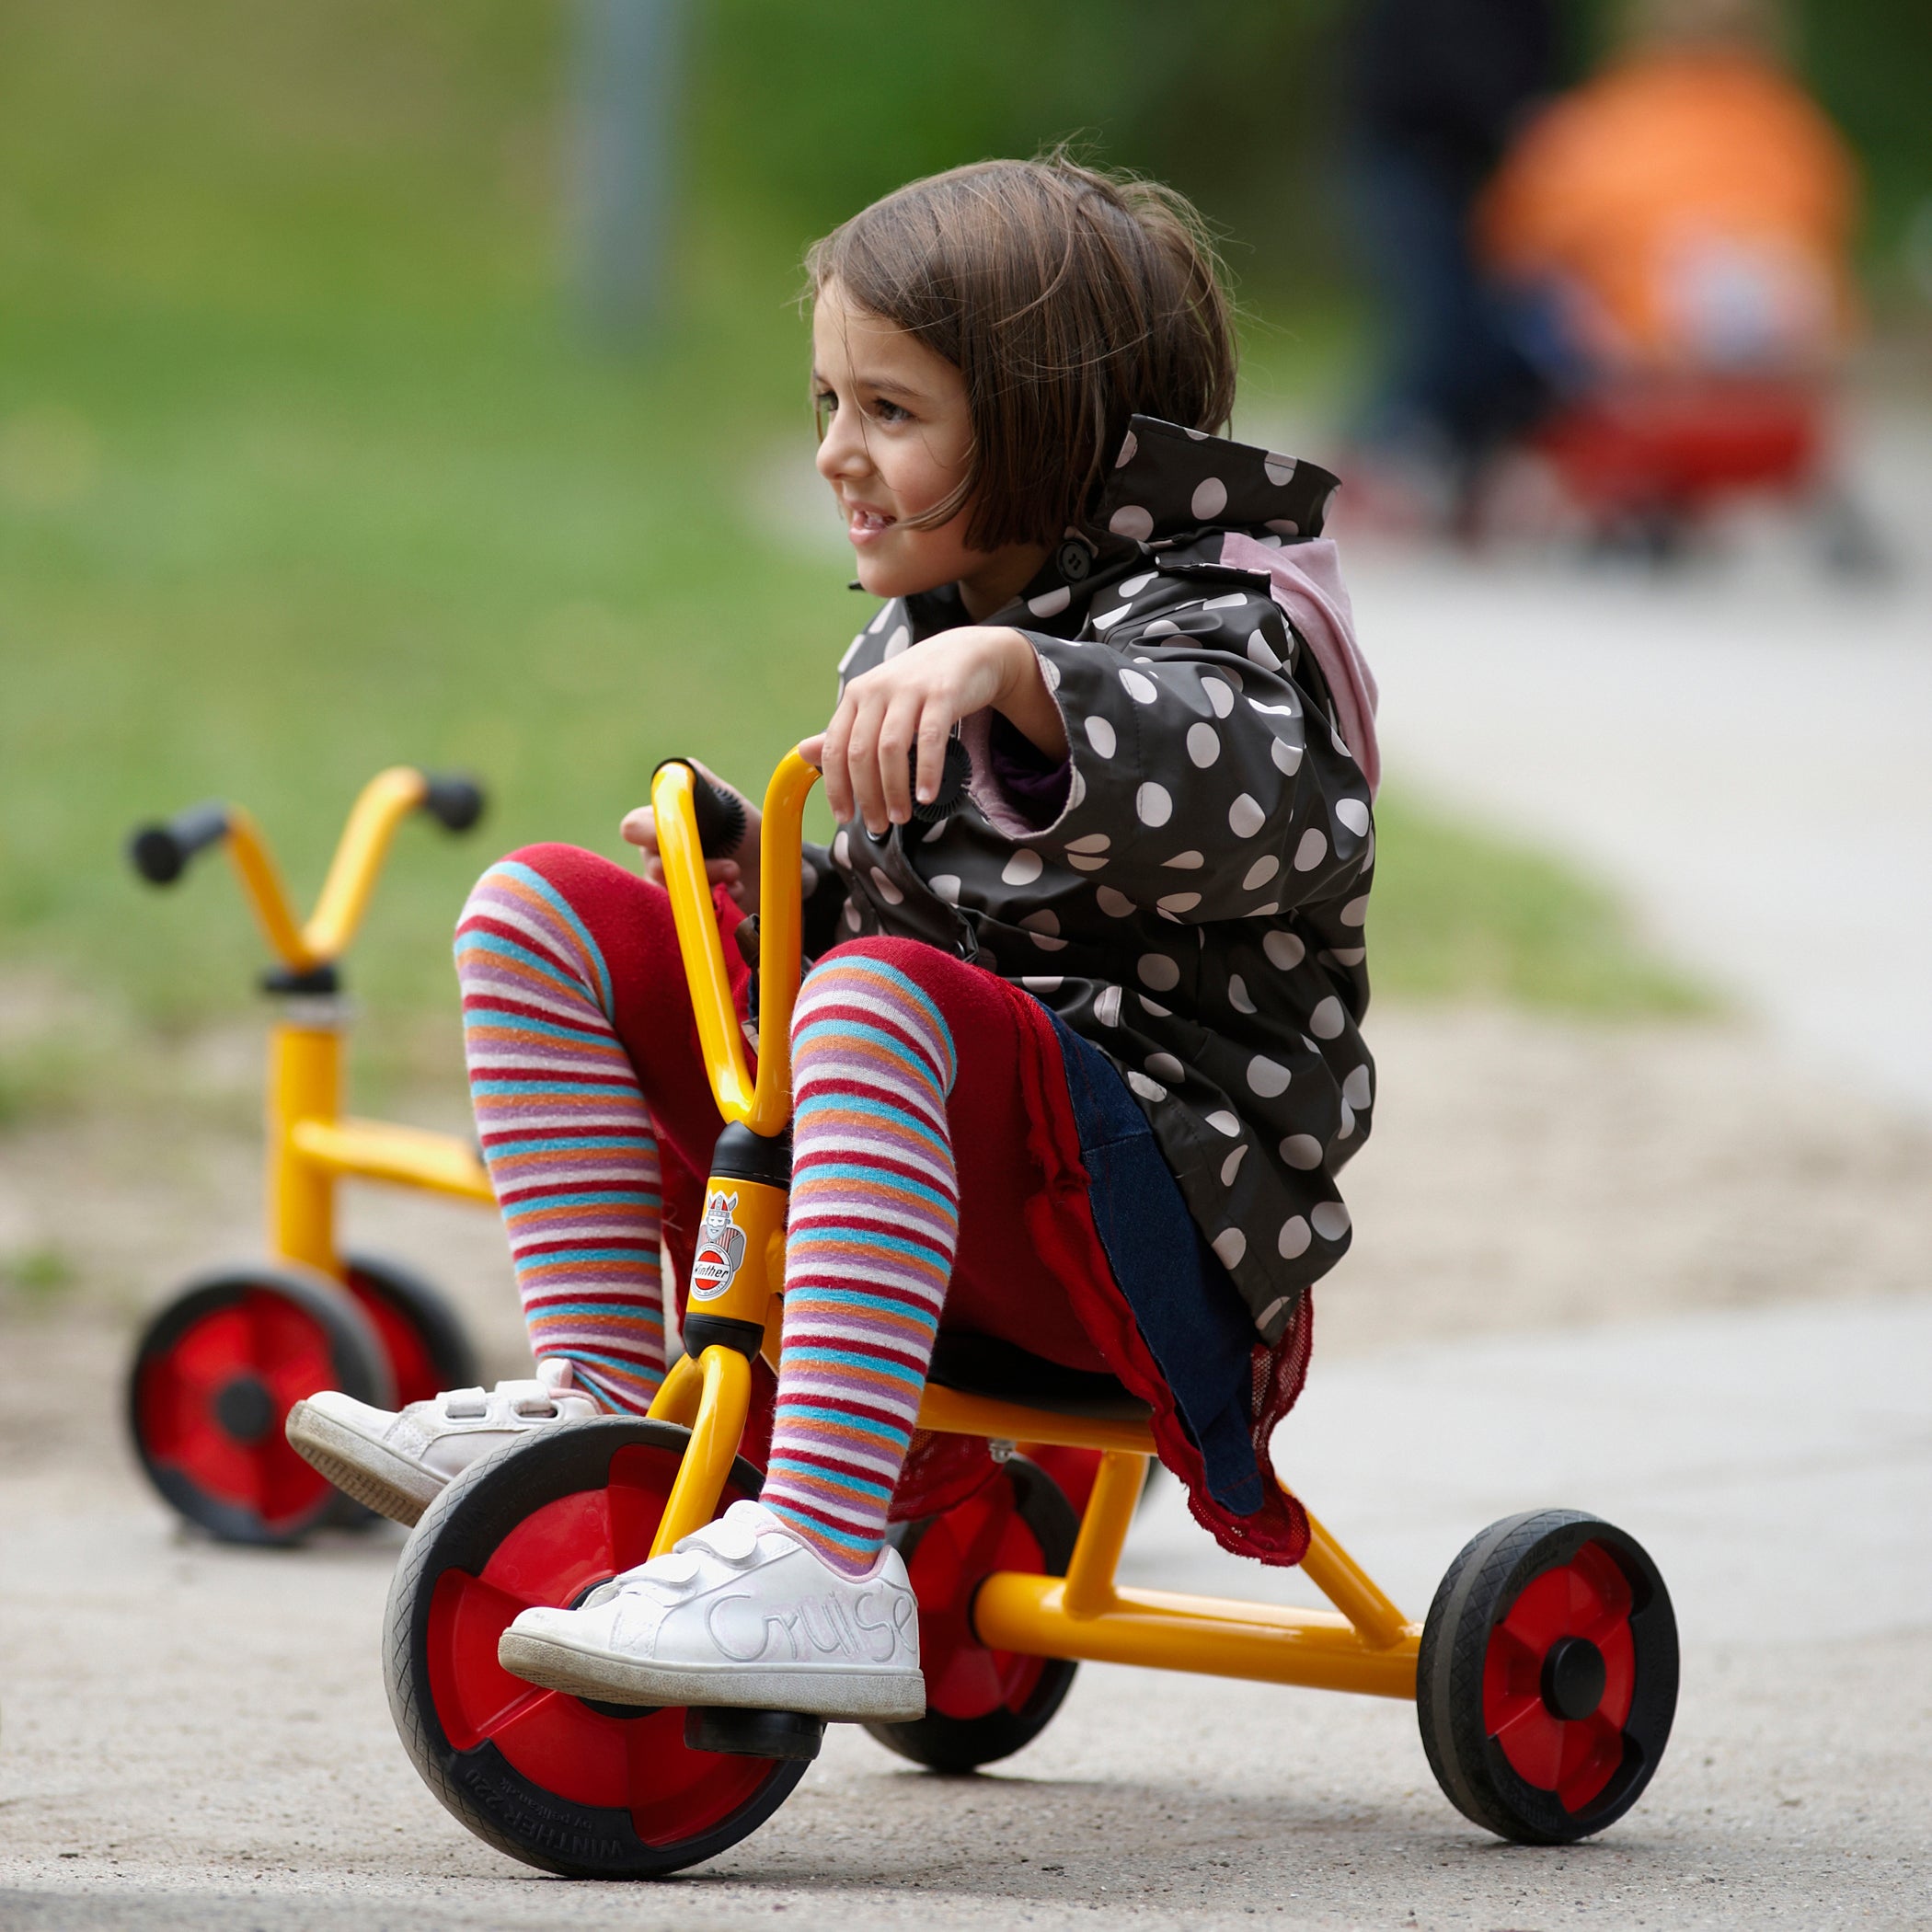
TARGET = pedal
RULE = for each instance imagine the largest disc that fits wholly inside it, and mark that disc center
(753, 1734)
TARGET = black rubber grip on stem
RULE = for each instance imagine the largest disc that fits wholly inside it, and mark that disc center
(160, 852)
(718, 814)
(454, 801)
(952, 785)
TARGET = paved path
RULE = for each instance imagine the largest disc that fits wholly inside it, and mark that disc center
(1746, 751)
(196, 1737)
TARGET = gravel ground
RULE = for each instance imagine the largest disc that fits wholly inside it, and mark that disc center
(196, 1736)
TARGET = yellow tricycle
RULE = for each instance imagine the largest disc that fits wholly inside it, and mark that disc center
(222, 1361)
(1544, 1677)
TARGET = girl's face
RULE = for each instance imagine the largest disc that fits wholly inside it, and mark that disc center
(897, 441)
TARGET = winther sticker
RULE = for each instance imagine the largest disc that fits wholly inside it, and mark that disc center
(721, 1248)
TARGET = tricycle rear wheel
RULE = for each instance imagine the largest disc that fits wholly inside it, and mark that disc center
(1547, 1677)
(981, 1704)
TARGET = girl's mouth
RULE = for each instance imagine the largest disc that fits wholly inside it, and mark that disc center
(864, 526)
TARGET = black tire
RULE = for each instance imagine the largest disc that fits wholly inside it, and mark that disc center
(1032, 1528)
(1547, 1677)
(464, 1722)
(214, 1375)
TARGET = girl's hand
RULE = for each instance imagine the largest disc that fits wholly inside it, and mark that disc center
(911, 703)
(738, 871)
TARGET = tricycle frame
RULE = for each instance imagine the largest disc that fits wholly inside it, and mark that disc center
(1363, 1644)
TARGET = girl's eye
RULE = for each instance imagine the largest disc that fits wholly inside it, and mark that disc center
(889, 411)
(825, 402)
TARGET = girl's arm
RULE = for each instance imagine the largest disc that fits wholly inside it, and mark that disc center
(912, 703)
(1208, 781)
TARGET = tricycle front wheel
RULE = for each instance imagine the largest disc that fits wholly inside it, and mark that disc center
(588, 1790)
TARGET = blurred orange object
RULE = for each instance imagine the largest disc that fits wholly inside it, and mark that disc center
(1690, 209)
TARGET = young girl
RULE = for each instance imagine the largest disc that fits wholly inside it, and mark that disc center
(1074, 1068)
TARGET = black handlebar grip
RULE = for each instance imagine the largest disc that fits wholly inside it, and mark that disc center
(454, 801)
(720, 817)
(952, 785)
(160, 853)
(718, 814)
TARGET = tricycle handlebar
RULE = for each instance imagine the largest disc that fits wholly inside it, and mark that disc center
(161, 852)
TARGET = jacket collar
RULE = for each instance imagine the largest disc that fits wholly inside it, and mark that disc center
(1167, 481)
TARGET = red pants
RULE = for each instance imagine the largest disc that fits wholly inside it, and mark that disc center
(1029, 1268)
(1001, 1286)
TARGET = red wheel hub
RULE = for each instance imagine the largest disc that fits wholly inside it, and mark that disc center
(212, 1406)
(956, 1553)
(554, 1556)
(1536, 1657)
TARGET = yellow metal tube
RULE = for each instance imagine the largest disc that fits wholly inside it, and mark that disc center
(305, 1090)
(780, 937)
(948, 1412)
(405, 1156)
(384, 803)
(719, 1036)
(765, 1106)
(715, 1435)
(677, 1396)
(1103, 1533)
(262, 887)
(1353, 1591)
(1161, 1630)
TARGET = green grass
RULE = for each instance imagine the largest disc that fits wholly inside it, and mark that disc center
(303, 472)
(1459, 913)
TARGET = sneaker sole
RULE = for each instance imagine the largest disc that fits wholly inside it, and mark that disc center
(364, 1471)
(860, 1697)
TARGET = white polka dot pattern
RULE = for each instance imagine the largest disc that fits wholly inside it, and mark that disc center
(1210, 838)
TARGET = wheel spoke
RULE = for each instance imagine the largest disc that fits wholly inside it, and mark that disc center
(968, 1683)
(285, 1485)
(556, 1552)
(1533, 1741)
(1592, 1752)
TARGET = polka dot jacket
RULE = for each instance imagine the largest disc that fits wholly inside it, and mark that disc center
(1188, 891)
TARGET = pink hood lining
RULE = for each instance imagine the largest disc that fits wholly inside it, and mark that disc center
(1305, 580)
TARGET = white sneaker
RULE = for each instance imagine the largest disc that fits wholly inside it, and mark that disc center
(741, 1612)
(399, 1462)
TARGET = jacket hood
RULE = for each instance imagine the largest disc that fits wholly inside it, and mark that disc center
(1167, 479)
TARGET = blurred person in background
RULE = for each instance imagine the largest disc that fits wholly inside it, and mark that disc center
(1435, 89)
(1672, 241)
(1688, 209)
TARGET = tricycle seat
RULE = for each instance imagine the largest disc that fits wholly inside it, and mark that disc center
(998, 1370)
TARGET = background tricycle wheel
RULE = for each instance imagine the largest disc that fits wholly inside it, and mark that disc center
(585, 1791)
(1547, 1677)
(422, 1336)
(981, 1704)
(215, 1374)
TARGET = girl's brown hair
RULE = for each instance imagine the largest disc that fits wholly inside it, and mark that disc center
(1070, 299)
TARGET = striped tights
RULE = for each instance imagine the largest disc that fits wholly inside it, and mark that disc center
(872, 1227)
(873, 1218)
(565, 1133)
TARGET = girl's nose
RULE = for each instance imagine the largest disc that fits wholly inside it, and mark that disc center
(842, 453)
